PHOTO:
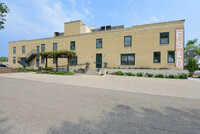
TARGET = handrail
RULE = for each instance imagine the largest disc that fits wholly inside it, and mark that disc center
(32, 51)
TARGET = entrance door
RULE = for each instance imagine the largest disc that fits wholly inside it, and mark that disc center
(98, 60)
(38, 49)
(37, 62)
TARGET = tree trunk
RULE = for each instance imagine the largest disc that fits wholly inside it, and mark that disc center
(46, 63)
(56, 64)
(68, 64)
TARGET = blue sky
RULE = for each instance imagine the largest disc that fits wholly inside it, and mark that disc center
(32, 19)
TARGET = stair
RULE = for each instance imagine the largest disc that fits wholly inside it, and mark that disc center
(92, 71)
(24, 61)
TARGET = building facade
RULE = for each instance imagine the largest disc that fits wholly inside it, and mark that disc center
(156, 46)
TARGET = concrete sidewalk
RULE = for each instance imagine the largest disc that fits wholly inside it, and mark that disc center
(153, 86)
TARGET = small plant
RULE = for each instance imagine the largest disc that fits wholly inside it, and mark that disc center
(75, 71)
(192, 65)
(198, 77)
(149, 75)
(118, 68)
(171, 76)
(140, 74)
(184, 76)
(107, 72)
(119, 73)
(166, 76)
(159, 76)
(130, 74)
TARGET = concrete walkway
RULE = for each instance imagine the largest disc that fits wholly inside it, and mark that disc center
(154, 86)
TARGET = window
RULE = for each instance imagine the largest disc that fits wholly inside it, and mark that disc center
(73, 61)
(23, 49)
(164, 38)
(54, 46)
(14, 60)
(43, 48)
(127, 41)
(127, 59)
(14, 50)
(98, 43)
(42, 60)
(72, 45)
(54, 60)
(156, 57)
(171, 56)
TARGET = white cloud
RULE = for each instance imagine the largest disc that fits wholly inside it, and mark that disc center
(73, 2)
(89, 2)
(40, 18)
(154, 19)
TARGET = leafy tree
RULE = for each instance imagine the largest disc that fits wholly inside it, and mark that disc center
(192, 65)
(192, 44)
(3, 59)
(3, 10)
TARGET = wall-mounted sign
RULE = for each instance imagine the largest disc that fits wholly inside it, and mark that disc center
(180, 48)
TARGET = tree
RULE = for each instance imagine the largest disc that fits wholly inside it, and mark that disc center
(192, 44)
(192, 65)
(3, 10)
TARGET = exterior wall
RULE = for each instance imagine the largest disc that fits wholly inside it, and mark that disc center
(72, 28)
(145, 41)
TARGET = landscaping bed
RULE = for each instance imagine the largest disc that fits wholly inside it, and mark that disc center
(179, 76)
(9, 70)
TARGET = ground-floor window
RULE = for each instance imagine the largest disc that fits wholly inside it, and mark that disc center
(54, 60)
(127, 59)
(156, 57)
(171, 56)
(42, 60)
(14, 60)
(73, 61)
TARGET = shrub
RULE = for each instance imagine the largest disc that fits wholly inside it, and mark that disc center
(192, 65)
(27, 69)
(198, 77)
(107, 72)
(183, 76)
(166, 76)
(75, 71)
(64, 73)
(140, 74)
(149, 75)
(119, 73)
(130, 74)
(171, 76)
(51, 72)
(159, 76)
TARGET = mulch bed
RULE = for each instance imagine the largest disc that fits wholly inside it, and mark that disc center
(9, 70)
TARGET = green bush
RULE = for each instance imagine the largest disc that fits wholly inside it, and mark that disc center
(198, 77)
(171, 76)
(166, 76)
(75, 71)
(159, 76)
(107, 72)
(64, 73)
(51, 72)
(149, 75)
(27, 69)
(183, 76)
(192, 65)
(140, 74)
(119, 73)
(130, 74)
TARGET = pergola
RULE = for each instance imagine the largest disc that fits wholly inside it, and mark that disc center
(58, 54)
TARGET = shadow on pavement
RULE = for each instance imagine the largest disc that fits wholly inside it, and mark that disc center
(123, 119)
(4, 129)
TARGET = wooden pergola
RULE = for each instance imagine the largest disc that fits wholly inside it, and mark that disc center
(58, 54)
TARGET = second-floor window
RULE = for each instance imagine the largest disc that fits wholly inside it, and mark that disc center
(54, 46)
(23, 49)
(164, 38)
(99, 43)
(43, 48)
(72, 45)
(127, 41)
(14, 50)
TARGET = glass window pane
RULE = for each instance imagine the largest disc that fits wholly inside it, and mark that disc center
(54, 46)
(156, 57)
(72, 45)
(124, 60)
(164, 38)
(130, 59)
(127, 41)
(171, 57)
(99, 43)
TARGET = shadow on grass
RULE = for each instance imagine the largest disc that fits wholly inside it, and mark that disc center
(4, 129)
(124, 120)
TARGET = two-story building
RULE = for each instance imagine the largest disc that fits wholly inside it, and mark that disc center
(157, 45)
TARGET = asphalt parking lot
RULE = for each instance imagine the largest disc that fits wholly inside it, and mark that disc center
(45, 104)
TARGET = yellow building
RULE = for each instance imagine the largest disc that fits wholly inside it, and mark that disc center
(143, 46)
